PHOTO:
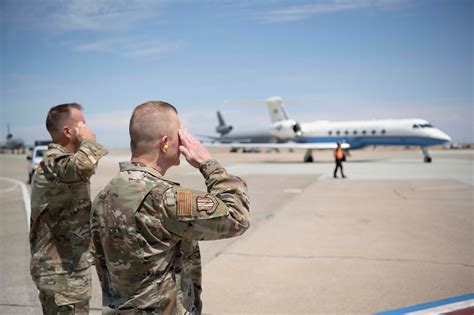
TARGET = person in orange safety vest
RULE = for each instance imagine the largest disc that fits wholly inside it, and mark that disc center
(339, 156)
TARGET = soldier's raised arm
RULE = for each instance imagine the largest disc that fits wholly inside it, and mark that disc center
(79, 166)
(221, 212)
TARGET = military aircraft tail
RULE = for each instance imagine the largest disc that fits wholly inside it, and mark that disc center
(12, 143)
(222, 128)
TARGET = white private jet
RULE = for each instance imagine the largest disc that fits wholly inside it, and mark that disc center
(320, 135)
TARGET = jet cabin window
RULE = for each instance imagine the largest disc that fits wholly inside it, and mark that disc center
(423, 126)
(330, 133)
(355, 132)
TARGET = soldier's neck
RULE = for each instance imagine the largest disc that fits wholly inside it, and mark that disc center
(150, 162)
(68, 145)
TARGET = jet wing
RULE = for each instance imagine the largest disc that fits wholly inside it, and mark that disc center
(220, 140)
(287, 145)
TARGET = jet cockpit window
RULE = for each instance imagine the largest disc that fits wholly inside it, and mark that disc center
(428, 125)
(415, 126)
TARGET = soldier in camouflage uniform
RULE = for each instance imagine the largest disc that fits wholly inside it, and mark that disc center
(146, 228)
(60, 213)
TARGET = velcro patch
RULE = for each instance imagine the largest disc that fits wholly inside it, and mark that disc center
(206, 204)
(184, 204)
(170, 198)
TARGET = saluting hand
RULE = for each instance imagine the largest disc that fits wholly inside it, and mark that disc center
(193, 150)
(84, 133)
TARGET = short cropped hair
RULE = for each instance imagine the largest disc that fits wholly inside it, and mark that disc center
(58, 116)
(149, 121)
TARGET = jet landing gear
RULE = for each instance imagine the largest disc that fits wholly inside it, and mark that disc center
(308, 157)
(427, 157)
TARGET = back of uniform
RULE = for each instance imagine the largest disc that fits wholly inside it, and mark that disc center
(145, 230)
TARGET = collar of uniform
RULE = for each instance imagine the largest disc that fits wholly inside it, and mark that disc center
(137, 166)
(58, 147)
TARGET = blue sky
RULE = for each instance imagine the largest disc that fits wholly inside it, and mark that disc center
(333, 59)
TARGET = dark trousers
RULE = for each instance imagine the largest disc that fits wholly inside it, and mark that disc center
(338, 166)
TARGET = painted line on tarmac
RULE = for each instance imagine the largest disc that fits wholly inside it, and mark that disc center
(293, 191)
(11, 188)
(456, 305)
(26, 197)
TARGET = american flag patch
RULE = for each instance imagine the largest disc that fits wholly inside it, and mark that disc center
(184, 204)
(206, 204)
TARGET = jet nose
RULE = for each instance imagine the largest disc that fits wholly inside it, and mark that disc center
(442, 136)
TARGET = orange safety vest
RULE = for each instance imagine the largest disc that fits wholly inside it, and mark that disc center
(339, 154)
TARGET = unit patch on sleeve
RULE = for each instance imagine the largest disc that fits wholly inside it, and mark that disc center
(184, 204)
(206, 204)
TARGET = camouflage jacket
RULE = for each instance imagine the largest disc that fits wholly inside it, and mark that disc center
(60, 238)
(145, 231)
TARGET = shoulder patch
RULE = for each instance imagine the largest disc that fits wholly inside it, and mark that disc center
(170, 197)
(185, 208)
(206, 204)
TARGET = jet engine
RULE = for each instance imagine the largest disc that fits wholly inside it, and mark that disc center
(286, 129)
(223, 129)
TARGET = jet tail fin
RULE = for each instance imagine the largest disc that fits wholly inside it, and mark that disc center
(9, 134)
(220, 119)
(276, 109)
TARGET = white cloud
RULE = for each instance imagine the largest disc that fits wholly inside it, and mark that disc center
(304, 11)
(61, 16)
(108, 25)
(127, 47)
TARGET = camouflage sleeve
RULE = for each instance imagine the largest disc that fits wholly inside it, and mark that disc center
(99, 254)
(81, 165)
(222, 212)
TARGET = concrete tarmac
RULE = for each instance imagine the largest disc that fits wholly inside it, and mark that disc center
(396, 232)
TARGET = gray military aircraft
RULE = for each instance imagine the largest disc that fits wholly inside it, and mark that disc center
(13, 144)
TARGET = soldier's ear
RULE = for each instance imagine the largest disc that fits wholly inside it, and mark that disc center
(67, 132)
(164, 144)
